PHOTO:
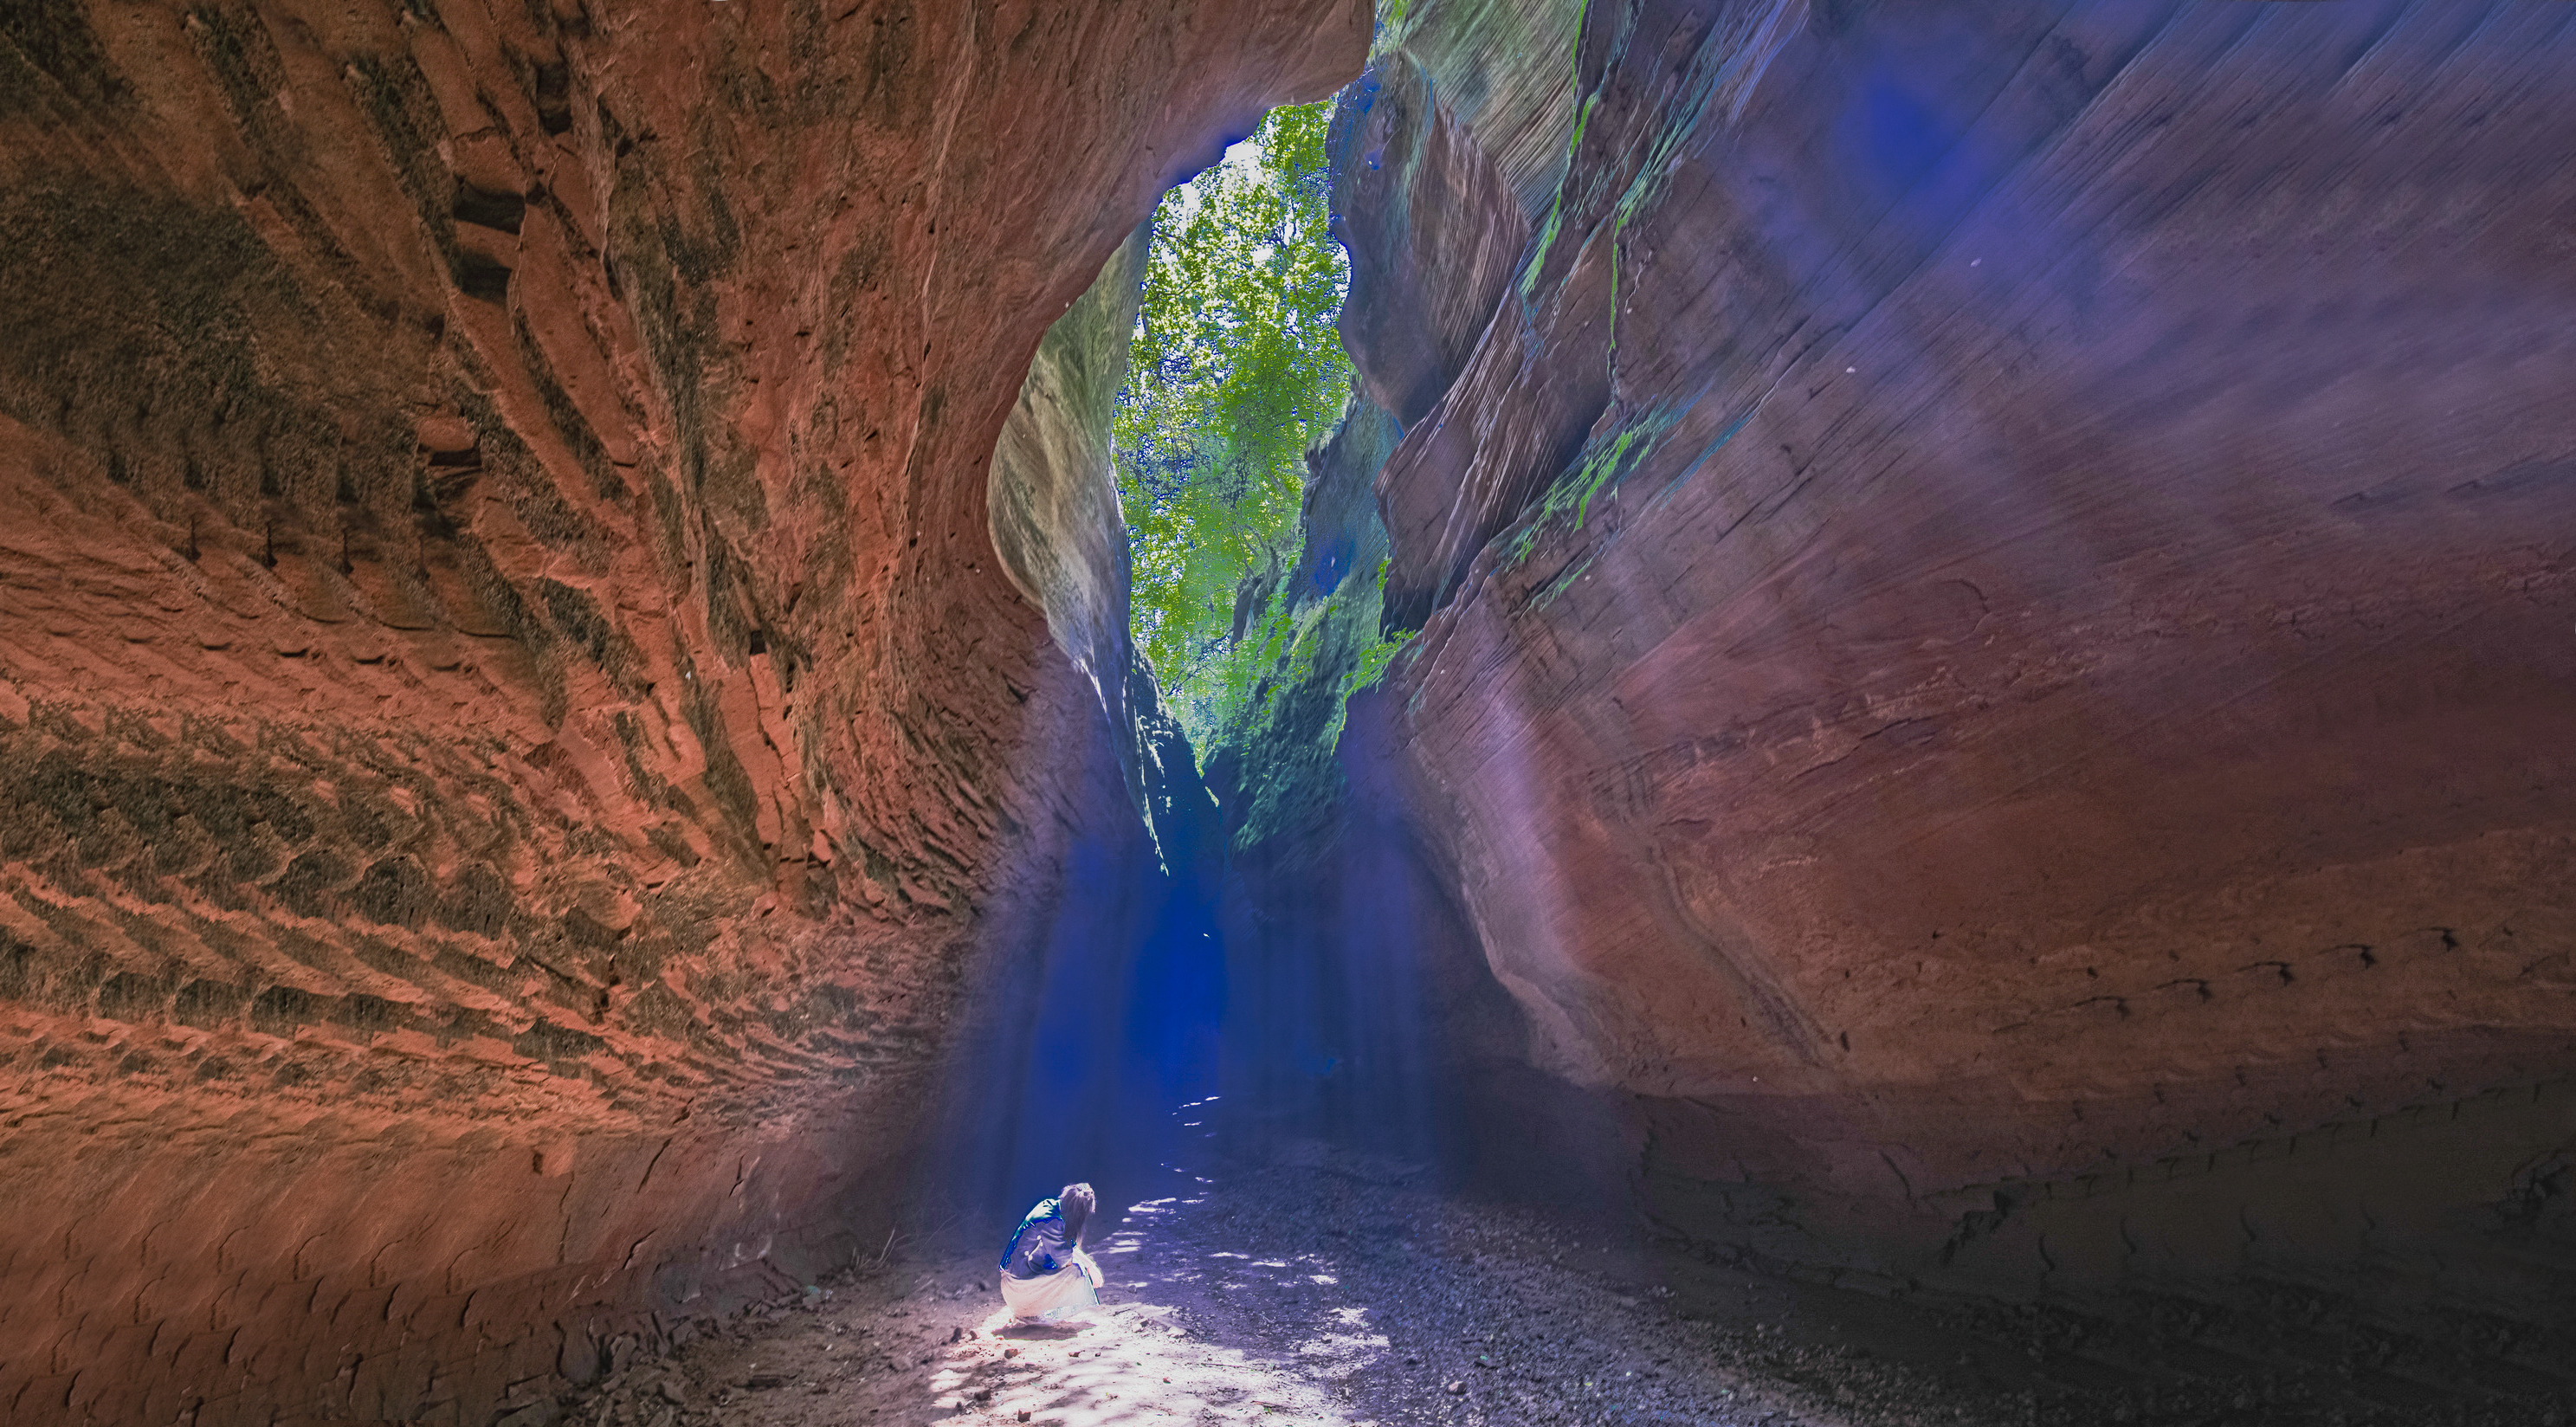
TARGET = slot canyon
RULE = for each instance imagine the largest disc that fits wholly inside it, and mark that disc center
(1918, 772)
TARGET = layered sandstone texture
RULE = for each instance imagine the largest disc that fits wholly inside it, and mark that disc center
(511, 721)
(1995, 588)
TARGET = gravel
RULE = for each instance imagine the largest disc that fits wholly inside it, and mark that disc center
(1336, 1290)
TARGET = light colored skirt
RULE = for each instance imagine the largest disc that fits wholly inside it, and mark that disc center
(1068, 1288)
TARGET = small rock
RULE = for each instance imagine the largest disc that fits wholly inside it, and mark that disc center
(1024, 1414)
(1010, 1352)
(1457, 1389)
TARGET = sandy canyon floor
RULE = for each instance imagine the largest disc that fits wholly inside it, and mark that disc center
(1337, 1293)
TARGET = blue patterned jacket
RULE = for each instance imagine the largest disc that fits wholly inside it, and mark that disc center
(1040, 1246)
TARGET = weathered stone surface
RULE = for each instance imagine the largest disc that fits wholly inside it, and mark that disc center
(1431, 230)
(1997, 659)
(1057, 528)
(1053, 498)
(1503, 69)
(514, 726)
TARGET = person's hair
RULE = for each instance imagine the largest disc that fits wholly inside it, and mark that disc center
(1075, 1204)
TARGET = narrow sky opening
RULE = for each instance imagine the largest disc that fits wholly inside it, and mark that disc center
(1236, 368)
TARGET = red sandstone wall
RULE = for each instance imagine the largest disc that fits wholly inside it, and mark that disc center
(2003, 583)
(510, 718)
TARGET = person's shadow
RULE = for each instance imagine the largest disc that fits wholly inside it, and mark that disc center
(1043, 1331)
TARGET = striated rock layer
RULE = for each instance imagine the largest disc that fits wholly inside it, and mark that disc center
(1995, 593)
(511, 725)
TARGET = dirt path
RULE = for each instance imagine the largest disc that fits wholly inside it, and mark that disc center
(1330, 1292)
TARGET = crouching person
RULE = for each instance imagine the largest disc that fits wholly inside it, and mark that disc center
(1045, 1273)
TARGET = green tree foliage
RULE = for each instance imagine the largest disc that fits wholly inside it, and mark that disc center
(1235, 368)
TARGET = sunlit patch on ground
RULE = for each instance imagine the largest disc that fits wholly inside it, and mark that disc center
(1348, 1347)
(1127, 1363)
(927, 1342)
(1282, 1295)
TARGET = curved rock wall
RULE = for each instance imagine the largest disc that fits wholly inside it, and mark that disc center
(1062, 541)
(1501, 70)
(513, 726)
(1996, 669)
(1414, 194)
